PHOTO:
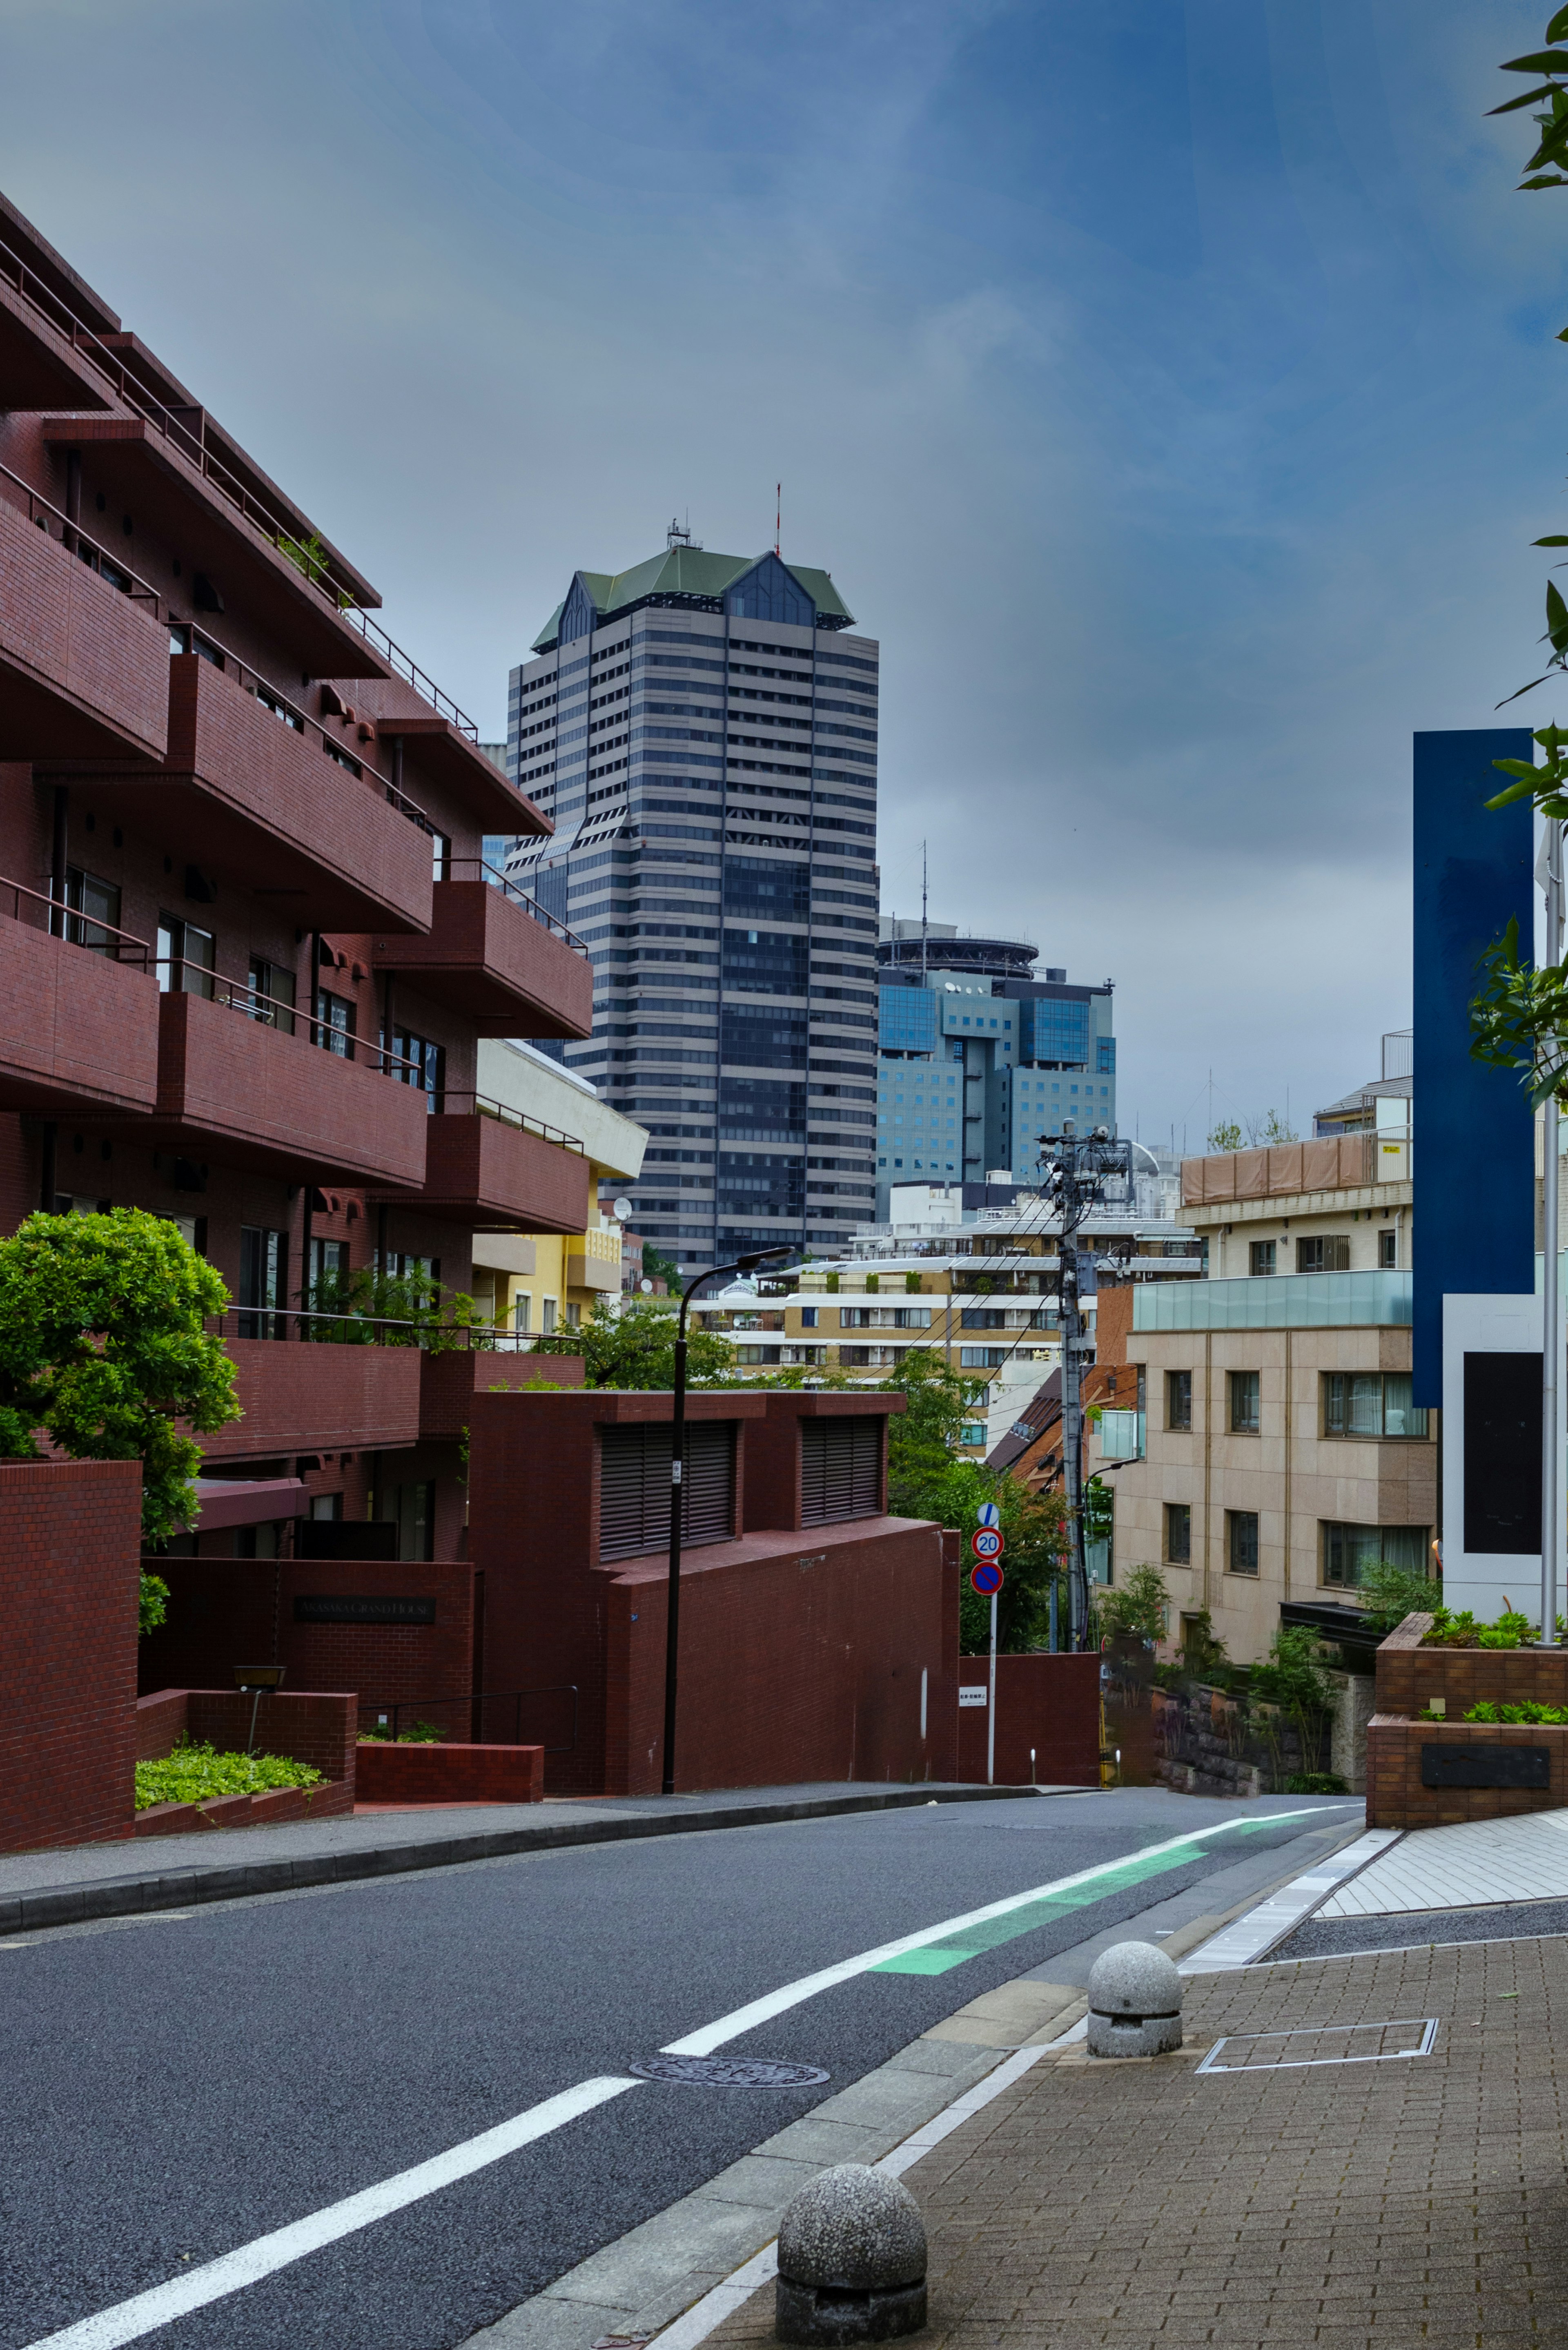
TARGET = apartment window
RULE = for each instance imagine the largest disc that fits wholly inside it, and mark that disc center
(1241, 1540)
(419, 1061)
(523, 1313)
(1349, 1551)
(271, 998)
(264, 1280)
(574, 1315)
(1324, 1253)
(1178, 1398)
(1245, 1410)
(1370, 1403)
(808, 1317)
(440, 856)
(187, 957)
(1261, 1256)
(547, 1316)
(328, 1275)
(1388, 1250)
(96, 911)
(1177, 1533)
(335, 1024)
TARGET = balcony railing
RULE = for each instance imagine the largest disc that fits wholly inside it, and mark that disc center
(313, 563)
(185, 637)
(485, 1105)
(451, 867)
(177, 976)
(75, 541)
(78, 929)
(312, 1326)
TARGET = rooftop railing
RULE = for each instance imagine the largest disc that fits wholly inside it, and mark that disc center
(468, 1104)
(405, 665)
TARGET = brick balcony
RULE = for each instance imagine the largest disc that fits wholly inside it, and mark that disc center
(484, 1173)
(449, 1383)
(489, 958)
(263, 1098)
(84, 668)
(261, 806)
(77, 1030)
(299, 1397)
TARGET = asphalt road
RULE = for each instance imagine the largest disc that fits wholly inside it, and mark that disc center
(174, 2087)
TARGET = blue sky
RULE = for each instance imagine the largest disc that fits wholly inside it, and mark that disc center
(1170, 388)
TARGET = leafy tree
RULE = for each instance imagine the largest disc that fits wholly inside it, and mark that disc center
(1271, 1129)
(153, 1606)
(927, 1478)
(363, 1308)
(1389, 1594)
(656, 1266)
(629, 1342)
(1203, 1653)
(1139, 1607)
(1519, 1013)
(102, 1347)
(1226, 1136)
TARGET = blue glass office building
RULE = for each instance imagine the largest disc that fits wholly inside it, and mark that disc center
(978, 1058)
(703, 730)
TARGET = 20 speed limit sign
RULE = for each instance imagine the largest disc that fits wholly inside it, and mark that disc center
(986, 1541)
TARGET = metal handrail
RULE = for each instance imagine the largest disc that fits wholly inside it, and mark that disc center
(376, 637)
(41, 511)
(69, 914)
(272, 1011)
(193, 445)
(486, 1106)
(416, 1705)
(258, 684)
(434, 1337)
(530, 906)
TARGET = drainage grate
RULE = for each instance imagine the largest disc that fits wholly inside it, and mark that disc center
(1327, 2044)
(729, 2073)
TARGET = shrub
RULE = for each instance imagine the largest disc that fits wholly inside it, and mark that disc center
(1137, 1608)
(1389, 1594)
(1315, 1782)
(1526, 1710)
(195, 1772)
(154, 1604)
(1511, 1630)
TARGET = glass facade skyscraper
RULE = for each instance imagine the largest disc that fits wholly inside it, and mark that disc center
(703, 730)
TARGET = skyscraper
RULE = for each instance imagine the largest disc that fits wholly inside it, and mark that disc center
(978, 1058)
(703, 731)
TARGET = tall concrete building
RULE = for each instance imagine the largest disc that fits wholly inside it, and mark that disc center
(978, 1058)
(702, 729)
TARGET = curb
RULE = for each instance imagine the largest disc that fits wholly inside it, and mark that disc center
(185, 1888)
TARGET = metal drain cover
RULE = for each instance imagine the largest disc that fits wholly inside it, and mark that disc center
(729, 2073)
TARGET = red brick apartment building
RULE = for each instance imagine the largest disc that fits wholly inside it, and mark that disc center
(247, 943)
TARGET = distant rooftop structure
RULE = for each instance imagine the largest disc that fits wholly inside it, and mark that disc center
(899, 948)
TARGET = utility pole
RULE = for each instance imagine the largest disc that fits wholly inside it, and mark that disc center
(1549, 872)
(1077, 1171)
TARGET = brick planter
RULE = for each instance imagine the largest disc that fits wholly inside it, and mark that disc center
(450, 1774)
(313, 1726)
(1403, 1753)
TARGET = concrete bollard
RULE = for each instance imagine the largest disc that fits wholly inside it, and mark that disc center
(852, 2260)
(1134, 2003)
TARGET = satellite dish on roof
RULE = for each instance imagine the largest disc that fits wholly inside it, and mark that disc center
(621, 1211)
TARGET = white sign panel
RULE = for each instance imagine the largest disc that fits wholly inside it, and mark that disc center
(971, 1693)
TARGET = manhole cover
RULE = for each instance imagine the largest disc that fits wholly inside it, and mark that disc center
(730, 2072)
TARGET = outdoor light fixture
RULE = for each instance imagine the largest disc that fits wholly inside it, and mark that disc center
(677, 1461)
(251, 1680)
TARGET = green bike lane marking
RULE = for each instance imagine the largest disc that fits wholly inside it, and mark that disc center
(937, 1958)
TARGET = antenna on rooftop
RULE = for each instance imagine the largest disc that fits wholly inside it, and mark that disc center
(679, 534)
(778, 514)
(922, 913)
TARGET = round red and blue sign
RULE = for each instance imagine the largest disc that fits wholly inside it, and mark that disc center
(986, 1578)
(986, 1541)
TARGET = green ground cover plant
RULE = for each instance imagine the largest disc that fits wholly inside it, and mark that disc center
(1526, 1710)
(196, 1770)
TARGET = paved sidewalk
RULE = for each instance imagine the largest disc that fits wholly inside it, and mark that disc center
(1415, 2199)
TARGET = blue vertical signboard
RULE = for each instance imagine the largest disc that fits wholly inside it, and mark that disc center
(1474, 1155)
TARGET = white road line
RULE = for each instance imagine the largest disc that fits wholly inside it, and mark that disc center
(1248, 1937)
(127, 2320)
(722, 2301)
(709, 2036)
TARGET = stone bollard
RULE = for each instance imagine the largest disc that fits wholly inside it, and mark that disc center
(852, 2260)
(1134, 2003)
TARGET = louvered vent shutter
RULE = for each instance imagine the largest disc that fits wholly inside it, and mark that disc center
(840, 1470)
(634, 1487)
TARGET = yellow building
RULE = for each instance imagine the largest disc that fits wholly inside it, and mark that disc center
(536, 1283)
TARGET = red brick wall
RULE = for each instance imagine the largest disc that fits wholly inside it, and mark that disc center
(98, 650)
(69, 1544)
(299, 1396)
(76, 1029)
(222, 1612)
(450, 1774)
(315, 1726)
(1049, 1703)
(1397, 1799)
(488, 1172)
(498, 946)
(773, 1449)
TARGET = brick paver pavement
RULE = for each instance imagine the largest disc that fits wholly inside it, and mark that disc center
(1122, 2204)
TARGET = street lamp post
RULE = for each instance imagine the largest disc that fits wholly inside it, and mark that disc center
(1075, 1180)
(676, 1463)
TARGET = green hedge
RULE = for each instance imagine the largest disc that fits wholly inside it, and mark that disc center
(193, 1774)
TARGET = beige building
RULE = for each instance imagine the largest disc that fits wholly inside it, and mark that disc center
(535, 1284)
(1275, 1450)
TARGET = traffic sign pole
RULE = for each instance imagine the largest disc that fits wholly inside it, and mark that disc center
(991, 1709)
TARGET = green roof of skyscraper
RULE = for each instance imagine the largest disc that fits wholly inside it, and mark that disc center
(693, 573)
